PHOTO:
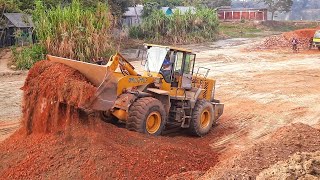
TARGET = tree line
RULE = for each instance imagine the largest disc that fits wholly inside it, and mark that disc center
(118, 7)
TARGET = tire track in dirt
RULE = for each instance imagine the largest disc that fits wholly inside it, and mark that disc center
(7, 128)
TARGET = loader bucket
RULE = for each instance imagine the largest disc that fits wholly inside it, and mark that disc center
(99, 76)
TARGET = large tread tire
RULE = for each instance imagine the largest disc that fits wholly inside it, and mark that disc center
(139, 112)
(195, 127)
(108, 118)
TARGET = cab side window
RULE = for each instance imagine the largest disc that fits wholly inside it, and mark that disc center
(178, 64)
(189, 62)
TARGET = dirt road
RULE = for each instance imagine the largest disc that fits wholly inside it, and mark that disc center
(262, 92)
(10, 98)
(10, 95)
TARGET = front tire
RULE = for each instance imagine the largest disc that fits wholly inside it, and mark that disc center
(202, 118)
(147, 115)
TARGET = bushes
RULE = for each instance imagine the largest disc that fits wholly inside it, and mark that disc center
(179, 27)
(136, 32)
(74, 31)
(25, 57)
(71, 31)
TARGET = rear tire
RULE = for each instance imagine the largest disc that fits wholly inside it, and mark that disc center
(108, 118)
(202, 118)
(147, 115)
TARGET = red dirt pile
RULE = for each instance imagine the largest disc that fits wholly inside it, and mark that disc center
(284, 40)
(284, 142)
(99, 150)
(298, 166)
(64, 143)
(52, 93)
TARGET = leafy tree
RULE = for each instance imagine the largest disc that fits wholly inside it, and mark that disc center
(8, 6)
(278, 5)
(165, 3)
(118, 7)
(25, 5)
(151, 5)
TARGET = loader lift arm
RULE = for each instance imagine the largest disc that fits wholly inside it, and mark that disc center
(118, 60)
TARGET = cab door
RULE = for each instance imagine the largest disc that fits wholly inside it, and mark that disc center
(183, 68)
(188, 71)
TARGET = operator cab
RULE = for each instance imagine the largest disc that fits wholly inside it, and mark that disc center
(174, 64)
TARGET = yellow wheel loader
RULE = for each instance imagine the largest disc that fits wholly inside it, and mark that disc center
(316, 39)
(168, 93)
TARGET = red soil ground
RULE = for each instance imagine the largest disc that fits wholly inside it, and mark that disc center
(60, 141)
(278, 147)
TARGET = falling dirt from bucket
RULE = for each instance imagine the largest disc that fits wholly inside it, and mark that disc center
(52, 96)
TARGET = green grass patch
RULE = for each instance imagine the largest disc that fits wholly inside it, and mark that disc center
(236, 30)
(25, 57)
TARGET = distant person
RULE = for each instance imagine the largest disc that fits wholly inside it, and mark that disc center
(166, 68)
(294, 43)
(310, 43)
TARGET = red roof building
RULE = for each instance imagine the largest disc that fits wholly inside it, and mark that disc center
(234, 14)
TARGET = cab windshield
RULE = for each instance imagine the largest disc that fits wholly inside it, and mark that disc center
(317, 34)
(155, 58)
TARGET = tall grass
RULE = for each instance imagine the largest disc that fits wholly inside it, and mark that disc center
(74, 31)
(25, 57)
(178, 28)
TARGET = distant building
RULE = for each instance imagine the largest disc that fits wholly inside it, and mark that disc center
(234, 14)
(167, 11)
(16, 29)
(132, 16)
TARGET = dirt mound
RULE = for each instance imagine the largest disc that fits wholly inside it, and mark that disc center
(52, 93)
(301, 33)
(299, 166)
(99, 150)
(284, 40)
(283, 143)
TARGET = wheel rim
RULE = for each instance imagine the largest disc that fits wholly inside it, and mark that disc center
(153, 122)
(205, 118)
